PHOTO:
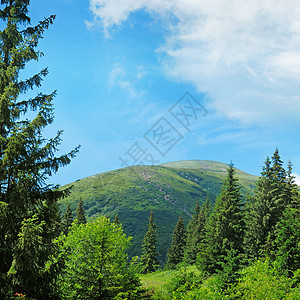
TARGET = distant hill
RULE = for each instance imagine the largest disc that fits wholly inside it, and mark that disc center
(169, 190)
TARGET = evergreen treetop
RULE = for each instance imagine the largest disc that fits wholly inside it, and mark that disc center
(27, 159)
(80, 214)
(176, 250)
(275, 191)
(67, 220)
(196, 231)
(149, 258)
(222, 246)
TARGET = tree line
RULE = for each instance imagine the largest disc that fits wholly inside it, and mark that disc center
(238, 231)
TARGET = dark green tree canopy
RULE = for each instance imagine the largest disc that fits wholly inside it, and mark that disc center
(275, 191)
(80, 214)
(222, 247)
(67, 220)
(149, 258)
(176, 250)
(196, 231)
(27, 159)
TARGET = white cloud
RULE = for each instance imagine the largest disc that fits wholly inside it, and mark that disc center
(297, 178)
(244, 54)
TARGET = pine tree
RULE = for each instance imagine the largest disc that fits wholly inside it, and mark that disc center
(67, 220)
(149, 256)
(176, 250)
(80, 214)
(222, 249)
(28, 202)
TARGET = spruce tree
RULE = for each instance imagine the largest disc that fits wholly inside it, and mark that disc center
(222, 247)
(286, 245)
(287, 242)
(176, 250)
(80, 214)
(191, 237)
(28, 202)
(272, 196)
(196, 231)
(149, 256)
(67, 220)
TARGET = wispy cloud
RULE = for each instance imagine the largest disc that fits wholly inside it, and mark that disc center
(136, 105)
(245, 55)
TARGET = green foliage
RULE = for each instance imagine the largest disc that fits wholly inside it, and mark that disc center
(210, 289)
(159, 283)
(275, 191)
(176, 250)
(222, 250)
(67, 220)
(182, 283)
(149, 260)
(196, 231)
(95, 263)
(261, 281)
(117, 220)
(80, 214)
(287, 242)
(29, 215)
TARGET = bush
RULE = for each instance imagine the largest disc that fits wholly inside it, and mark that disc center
(261, 281)
(95, 263)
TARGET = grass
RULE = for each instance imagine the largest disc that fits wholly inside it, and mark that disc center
(158, 281)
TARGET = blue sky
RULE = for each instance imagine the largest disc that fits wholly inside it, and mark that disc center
(119, 66)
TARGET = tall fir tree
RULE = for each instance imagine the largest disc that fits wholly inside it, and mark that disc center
(272, 196)
(286, 244)
(29, 214)
(222, 247)
(149, 258)
(67, 220)
(190, 251)
(176, 250)
(196, 231)
(80, 214)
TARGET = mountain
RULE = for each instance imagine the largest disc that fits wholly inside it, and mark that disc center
(169, 190)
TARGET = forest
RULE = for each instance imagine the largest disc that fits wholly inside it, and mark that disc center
(242, 247)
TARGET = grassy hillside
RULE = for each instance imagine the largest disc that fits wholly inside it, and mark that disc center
(169, 190)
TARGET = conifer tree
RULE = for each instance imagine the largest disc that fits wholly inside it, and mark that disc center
(80, 214)
(28, 202)
(196, 231)
(149, 256)
(176, 250)
(67, 220)
(272, 196)
(191, 236)
(287, 242)
(222, 249)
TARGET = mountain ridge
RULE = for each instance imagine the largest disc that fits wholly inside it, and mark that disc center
(168, 190)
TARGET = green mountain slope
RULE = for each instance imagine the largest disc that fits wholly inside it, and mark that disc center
(169, 190)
